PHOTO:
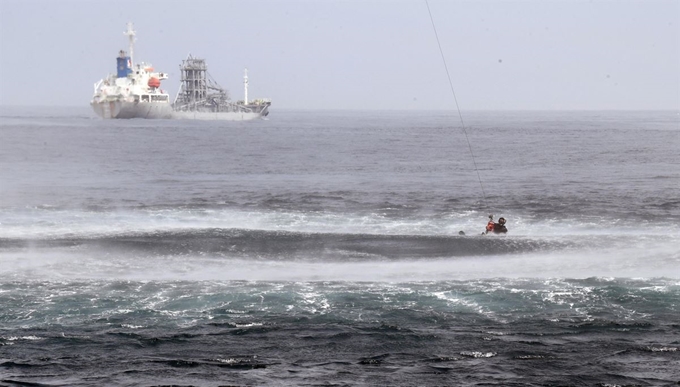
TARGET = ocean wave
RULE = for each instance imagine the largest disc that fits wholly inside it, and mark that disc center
(132, 308)
(286, 245)
(662, 349)
(53, 221)
(478, 354)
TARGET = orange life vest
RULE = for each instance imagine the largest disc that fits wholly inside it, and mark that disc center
(489, 226)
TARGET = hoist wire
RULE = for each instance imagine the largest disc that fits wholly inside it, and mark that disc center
(448, 75)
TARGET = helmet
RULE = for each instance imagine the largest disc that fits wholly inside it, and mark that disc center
(501, 220)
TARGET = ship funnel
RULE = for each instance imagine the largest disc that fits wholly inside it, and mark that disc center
(124, 64)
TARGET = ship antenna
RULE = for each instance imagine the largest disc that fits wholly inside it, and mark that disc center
(245, 87)
(131, 35)
(456, 101)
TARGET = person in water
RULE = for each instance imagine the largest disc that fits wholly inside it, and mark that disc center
(496, 228)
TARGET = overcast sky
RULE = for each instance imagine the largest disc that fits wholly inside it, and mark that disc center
(527, 55)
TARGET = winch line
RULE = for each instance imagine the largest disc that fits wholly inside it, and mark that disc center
(448, 75)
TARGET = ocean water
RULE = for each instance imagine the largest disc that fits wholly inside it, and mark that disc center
(323, 248)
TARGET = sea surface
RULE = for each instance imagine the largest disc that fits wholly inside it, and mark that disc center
(324, 248)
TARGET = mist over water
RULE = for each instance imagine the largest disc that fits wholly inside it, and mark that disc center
(324, 248)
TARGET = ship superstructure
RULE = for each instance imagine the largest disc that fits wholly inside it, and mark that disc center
(134, 91)
(201, 97)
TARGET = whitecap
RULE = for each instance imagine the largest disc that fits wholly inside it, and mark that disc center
(248, 325)
(662, 349)
(477, 354)
(15, 338)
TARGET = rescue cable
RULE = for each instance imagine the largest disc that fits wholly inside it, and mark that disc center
(456, 101)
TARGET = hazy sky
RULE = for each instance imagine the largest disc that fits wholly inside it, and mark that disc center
(358, 54)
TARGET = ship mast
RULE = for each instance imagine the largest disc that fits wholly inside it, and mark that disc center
(131, 35)
(245, 87)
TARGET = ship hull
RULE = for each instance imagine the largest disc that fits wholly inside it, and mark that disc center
(122, 109)
(218, 116)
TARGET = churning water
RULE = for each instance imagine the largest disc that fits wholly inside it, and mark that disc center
(323, 248)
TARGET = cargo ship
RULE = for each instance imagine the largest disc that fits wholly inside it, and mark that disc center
(134, 91)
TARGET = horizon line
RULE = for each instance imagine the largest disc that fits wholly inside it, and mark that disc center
(406, 109)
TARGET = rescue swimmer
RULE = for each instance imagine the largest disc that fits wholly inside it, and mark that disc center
(496, 228)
